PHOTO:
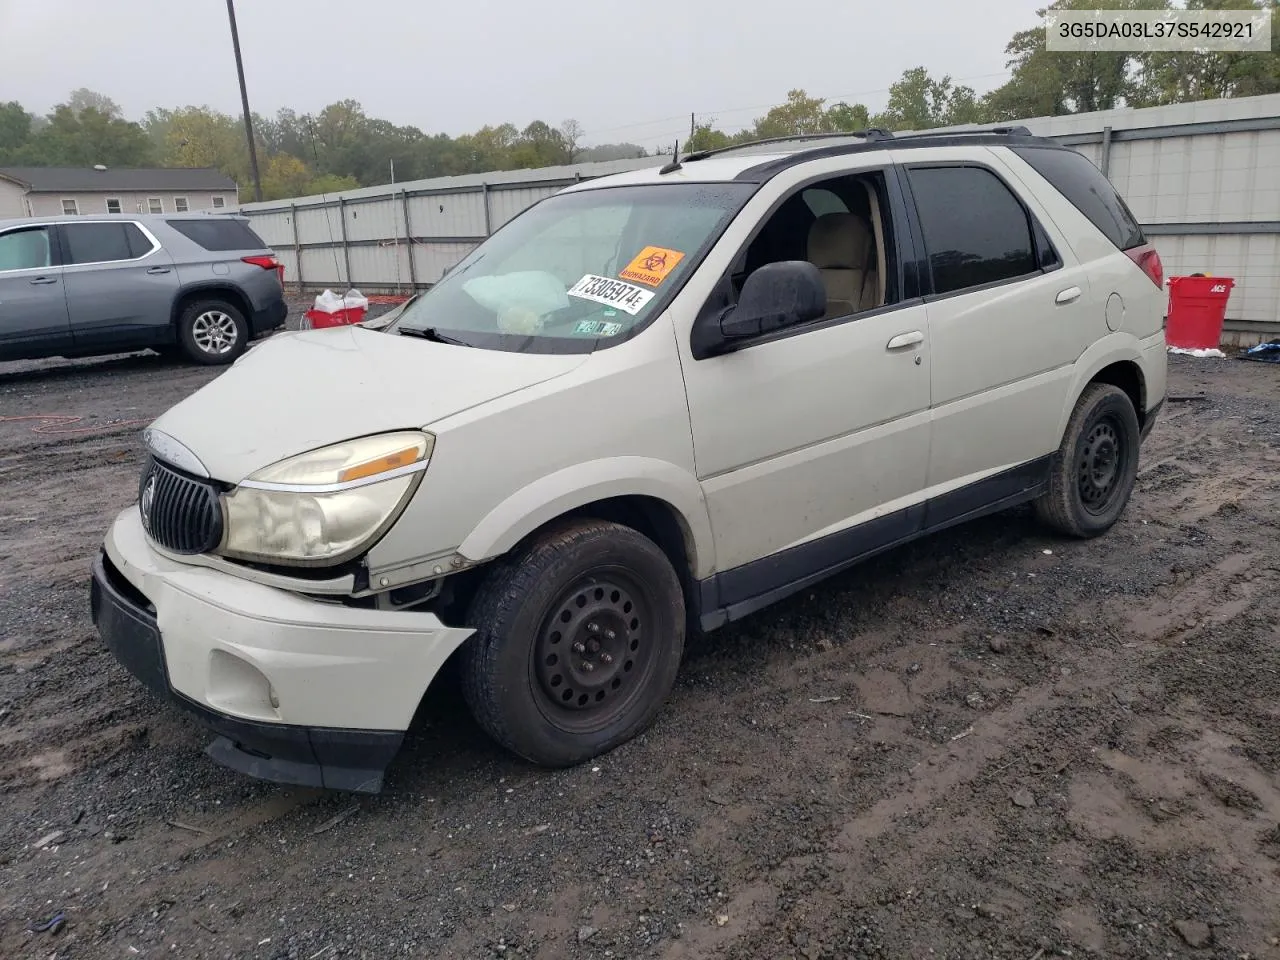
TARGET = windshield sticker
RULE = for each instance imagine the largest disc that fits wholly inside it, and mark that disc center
(597, 328)
(612, 293)
(651, 265)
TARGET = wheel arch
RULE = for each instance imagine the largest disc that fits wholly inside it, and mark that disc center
(209, 290)
(653, 497)
(1116, 360)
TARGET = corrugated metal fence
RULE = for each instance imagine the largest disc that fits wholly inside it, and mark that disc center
(1203, 178)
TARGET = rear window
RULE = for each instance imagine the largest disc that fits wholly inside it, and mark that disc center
(218, 234)
(104, 242)
(1077, 179)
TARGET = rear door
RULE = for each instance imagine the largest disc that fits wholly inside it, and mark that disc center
(121, 284)
(1009, 312)
(33, 304)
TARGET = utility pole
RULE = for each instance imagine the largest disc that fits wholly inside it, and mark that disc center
(244, 99)
(693, 129)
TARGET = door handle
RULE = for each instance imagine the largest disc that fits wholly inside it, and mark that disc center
(1069, 295)
(158, 270)
(904, 340)
(37, 281)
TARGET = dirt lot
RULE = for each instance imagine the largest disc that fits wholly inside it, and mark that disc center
(992, 744)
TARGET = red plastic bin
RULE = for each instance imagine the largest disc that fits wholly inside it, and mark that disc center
(1197, 307)
(318, 319)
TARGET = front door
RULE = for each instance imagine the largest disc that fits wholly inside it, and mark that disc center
(33, 303)
(812, 444)
(121, 285)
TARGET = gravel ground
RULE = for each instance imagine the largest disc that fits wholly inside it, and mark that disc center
(990, 744)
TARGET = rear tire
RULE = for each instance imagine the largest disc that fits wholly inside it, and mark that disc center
(212, 332)
(1094, 470)
(578, 641)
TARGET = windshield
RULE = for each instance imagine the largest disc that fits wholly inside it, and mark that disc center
(576, 271)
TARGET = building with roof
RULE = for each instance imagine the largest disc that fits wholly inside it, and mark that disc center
(85, 191)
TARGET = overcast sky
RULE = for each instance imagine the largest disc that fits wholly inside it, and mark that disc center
(625, 70)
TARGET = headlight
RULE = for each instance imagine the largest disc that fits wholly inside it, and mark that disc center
(323, 507)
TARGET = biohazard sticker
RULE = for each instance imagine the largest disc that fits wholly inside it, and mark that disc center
(612, 293)
(651, 265)
(597, 328)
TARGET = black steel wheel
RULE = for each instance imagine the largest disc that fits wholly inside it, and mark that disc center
(1094, 471)
(578, 640)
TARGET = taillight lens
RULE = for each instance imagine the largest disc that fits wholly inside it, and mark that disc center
(266, 263)
(1148, 262)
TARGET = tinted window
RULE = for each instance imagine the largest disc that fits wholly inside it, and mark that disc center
(820, 201)
(219, 234)
(975, 230)
(1077, 179)
(25, 249)
(103, 242)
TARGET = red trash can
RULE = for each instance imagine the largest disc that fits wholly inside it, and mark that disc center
(1197, 307)
(319, 319)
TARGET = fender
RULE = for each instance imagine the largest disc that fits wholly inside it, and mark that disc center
(1114, 348)
(557, 493)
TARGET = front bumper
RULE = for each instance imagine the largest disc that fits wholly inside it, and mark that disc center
(299, 690)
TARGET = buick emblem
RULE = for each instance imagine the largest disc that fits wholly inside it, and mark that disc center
(144, 503)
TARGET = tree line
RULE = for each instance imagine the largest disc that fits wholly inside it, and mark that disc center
(341, 147)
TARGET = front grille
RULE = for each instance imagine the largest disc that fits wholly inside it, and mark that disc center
(180, 513)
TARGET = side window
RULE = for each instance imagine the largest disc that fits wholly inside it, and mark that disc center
(842, 227)
(1089, 191)
(28, 249)
(975, 230)
(97, 242)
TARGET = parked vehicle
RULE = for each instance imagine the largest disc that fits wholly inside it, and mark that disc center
(199, 285)
(653, 403)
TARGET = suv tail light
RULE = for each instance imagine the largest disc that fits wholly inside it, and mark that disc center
(268, 263)
(1148, 262)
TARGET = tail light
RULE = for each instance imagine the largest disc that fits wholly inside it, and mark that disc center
(268, 263)
(1148, 262)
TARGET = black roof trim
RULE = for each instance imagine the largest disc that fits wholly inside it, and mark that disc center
(871, 133)
(1016, 136)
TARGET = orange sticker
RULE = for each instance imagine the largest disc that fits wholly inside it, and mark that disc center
(651, 265)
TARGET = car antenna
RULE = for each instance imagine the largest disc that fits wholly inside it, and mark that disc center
(674, 165)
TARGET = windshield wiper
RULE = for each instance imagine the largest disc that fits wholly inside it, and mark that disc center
(432, 334)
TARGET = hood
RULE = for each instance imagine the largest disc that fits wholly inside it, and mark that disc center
(299, 391)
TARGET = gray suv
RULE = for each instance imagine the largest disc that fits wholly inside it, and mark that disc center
(199, 285)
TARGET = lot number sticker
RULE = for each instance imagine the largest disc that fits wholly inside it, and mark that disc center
(612, 293)
(651, 265)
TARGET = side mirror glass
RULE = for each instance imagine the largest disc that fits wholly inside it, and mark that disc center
(776, 296)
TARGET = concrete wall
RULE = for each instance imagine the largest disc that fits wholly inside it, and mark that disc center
(1201, 177)
(50, 204)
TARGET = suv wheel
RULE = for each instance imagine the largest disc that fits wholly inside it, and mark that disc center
(1094, 470)
(212, 332)
(578, 640)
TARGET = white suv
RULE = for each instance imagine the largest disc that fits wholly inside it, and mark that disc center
(653, 403)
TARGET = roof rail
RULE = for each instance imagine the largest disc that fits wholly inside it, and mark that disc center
(871, 133)
(1016, 131)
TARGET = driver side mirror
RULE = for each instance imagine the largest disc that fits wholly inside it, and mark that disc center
(776, 296)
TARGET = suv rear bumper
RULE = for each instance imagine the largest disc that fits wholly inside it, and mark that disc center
(268, 318)
(298, 690)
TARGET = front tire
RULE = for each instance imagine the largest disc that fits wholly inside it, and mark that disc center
(578, 640)
(1094, 470)
(212, 332)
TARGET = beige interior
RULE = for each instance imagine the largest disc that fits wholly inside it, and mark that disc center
(843, 248)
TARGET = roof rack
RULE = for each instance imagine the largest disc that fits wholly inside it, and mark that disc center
(1015, 131)
(871, 133)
